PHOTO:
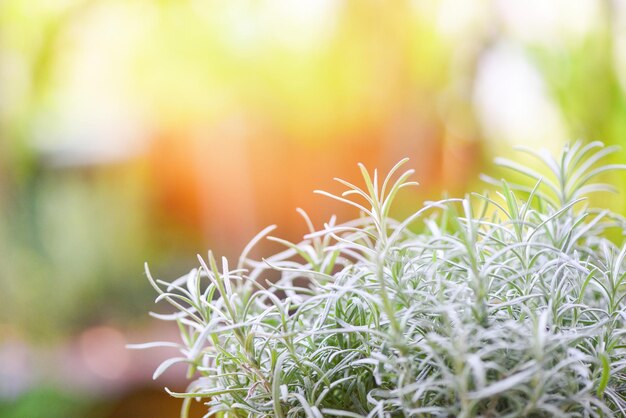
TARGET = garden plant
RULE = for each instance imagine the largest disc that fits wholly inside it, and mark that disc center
(510, 304)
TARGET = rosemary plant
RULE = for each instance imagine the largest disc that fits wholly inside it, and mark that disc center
(510, 305)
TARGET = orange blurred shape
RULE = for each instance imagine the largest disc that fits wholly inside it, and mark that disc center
(103, 351)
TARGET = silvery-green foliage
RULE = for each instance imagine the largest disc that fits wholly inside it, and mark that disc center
(510, 305)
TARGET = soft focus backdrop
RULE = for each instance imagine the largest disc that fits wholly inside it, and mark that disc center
(152, 130)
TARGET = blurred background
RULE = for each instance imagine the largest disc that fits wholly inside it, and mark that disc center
(153, 130)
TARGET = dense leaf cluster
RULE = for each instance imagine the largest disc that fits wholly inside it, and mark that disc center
(504, 306)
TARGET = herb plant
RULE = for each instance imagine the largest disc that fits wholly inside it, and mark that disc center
(510, 305)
